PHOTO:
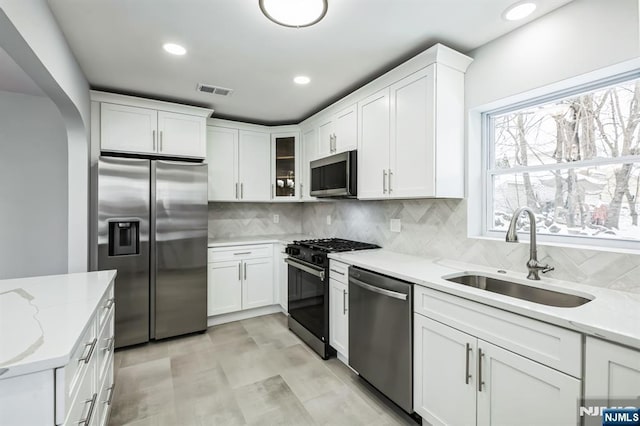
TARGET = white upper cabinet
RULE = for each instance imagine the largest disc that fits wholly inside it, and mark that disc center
(422, 136)
(128, 129)
(309, 153)
(181, 134)
(338, 132)
(143, 126)
(254, 166)
(373, 152)
(222, 159)
(285, 166)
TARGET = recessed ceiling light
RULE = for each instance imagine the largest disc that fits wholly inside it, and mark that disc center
(519, 11)
(174, 49)
(294, 13)
(301, 79)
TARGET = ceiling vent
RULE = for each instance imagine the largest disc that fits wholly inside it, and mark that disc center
(214, 90)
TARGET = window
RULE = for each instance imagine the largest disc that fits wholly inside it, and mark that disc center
(574, 159)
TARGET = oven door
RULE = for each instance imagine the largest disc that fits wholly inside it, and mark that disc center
(308, 297)
(334, 176)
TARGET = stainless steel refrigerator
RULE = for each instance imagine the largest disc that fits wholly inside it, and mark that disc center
(152, 228)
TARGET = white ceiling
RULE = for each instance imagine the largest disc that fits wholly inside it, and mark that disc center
(231, 44)
(14, 79)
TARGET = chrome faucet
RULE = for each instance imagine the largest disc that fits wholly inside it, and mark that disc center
(512, 237)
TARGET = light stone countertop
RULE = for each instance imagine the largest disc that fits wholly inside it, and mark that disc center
(257, 239)
(42, 319)
(612, 315)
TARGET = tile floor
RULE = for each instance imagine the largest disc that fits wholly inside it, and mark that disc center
(250, 372)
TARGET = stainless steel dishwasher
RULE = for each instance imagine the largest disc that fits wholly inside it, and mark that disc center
(380, 334)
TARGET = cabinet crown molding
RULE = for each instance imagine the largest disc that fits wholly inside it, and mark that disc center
(114, 98)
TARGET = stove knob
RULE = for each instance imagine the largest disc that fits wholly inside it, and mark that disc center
(317, 259)
(292, 251)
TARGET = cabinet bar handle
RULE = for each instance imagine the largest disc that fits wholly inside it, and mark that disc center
(241, 253)
(87, 420)
(154, 139)
(273, 191)
(245, 270)
(236, 190)
(160, 140)
(467, 376)
(240, 271)
(384, 181)
(337, 272)
(91, 346)
(110, 344)
(300, 190)
(390, 174)
(344, 302)
(480, 382)
(108, 401)
(241, 191)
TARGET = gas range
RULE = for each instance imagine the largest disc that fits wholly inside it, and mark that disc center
(308, 288)
(315, 251)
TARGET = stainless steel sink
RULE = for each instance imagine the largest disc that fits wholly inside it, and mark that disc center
(521, 291)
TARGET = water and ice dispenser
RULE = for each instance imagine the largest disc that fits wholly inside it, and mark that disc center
(124, 237)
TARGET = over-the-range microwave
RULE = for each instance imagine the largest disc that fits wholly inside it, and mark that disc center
(335, 176)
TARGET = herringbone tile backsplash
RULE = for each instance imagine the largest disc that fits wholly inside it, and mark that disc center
(433, 228)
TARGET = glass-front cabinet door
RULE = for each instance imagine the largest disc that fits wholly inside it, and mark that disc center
(285, 171)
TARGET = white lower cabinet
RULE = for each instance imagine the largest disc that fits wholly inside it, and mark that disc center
(612, 371)
(339, 308)
(224, 287)
(282, 277)
(240, 278)
(475, 364)
(339, 317)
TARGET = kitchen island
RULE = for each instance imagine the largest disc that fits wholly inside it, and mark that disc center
(56, 348)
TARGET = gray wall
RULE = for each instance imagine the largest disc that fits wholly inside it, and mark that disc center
(33, 187)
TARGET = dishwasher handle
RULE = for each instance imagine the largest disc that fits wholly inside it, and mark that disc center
(384, 292)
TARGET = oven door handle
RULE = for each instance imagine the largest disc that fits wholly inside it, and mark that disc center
(313, 271)
(378, 290)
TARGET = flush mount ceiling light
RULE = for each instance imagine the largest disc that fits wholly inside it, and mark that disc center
(174, 49)
(519, 11)
(301, 79)
(294, 13)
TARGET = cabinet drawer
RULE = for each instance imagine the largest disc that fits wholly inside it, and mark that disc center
(547, 344)
(223, 254)
(72, 376)
(339, 271)
(105, 396)
(104, 347)
(106, 307)
(84, 405)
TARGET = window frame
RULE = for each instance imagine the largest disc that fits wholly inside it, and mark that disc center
(488, 171)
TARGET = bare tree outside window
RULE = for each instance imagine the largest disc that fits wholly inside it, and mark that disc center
(574, 161)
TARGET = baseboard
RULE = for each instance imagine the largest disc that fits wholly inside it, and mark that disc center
(241, 315)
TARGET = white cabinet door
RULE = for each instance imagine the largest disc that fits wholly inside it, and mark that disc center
(283, 278)
(128, 129)
(325, 137)
(515, 390)
(309, 153)
(373, 146)
(612, 371)
(444, 373)
(224, 287)
(181, 135)
(339, 317)
(257, 285)
(412, 157)
(254, 166)
(346, 129)
(285, 166)
(222, 156)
